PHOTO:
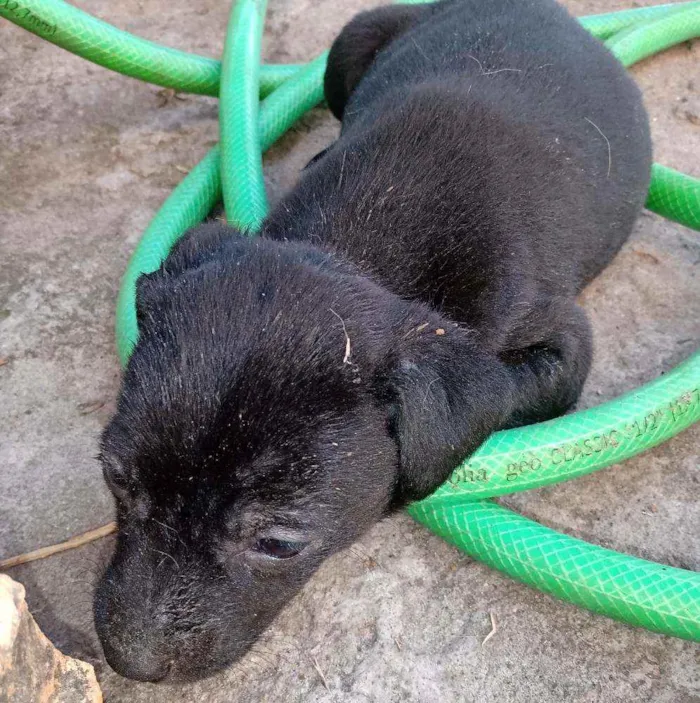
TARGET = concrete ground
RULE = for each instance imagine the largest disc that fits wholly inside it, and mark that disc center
(86, 158)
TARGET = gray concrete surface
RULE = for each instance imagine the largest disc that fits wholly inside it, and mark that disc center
(86, 157)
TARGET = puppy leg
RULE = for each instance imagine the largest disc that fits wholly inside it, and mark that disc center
(356, 47)
(550, 363)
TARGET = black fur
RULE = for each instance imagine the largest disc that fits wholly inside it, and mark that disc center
(414, 293)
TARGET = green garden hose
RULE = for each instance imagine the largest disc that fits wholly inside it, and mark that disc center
(675, 196)
(657, 597)
(242, 178)
(99, 42)
(604, 26)
(637, 42)
(578, 444)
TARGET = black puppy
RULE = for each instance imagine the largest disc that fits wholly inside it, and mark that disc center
(414, 293)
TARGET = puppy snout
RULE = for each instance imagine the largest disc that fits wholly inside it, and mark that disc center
(133, 646)
(143, 663)
(150, 655)
(147, 625)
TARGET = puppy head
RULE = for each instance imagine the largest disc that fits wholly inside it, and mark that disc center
(277, 404)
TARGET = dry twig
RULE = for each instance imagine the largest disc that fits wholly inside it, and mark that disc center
(346, 358)
(607, 141)
(494, 628)
(72, 543)
(320, 673)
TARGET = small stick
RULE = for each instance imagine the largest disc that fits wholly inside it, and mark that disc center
(607, 141)
(346, 358)
(72, 543)
(342, 168)
(320, 673)
(497, 70)
(494, 628)
(369, 561)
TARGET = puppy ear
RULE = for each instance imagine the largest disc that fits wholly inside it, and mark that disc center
(445, 396)
(197, 246)
(358, 44)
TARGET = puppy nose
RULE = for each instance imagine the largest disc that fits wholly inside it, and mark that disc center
(141, 666)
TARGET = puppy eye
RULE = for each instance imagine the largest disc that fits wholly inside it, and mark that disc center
(115, 478)
(278, 549)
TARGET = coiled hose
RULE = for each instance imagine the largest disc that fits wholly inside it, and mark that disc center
(660, 598)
